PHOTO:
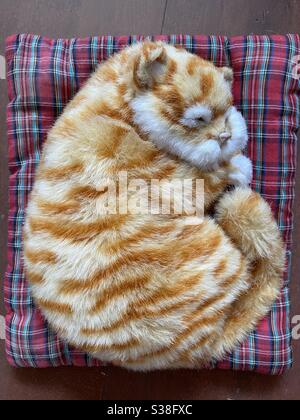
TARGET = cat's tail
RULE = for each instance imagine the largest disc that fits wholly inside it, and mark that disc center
(247, 219)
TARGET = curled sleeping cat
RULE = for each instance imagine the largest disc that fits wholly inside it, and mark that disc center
(151, 291)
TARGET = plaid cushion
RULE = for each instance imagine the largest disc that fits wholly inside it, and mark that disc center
(43, 75)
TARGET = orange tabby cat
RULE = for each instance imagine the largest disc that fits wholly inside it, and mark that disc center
(150, 291)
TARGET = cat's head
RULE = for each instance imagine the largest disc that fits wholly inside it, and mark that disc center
(182, 97)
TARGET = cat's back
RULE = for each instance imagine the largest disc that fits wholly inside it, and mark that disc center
(69, 235)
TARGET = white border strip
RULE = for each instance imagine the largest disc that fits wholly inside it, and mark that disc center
(2, 327)
(2, 67)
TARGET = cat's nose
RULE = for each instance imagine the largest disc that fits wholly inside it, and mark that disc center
(224, 137)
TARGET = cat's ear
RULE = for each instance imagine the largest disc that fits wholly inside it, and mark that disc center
(227, 73)
(150, 65)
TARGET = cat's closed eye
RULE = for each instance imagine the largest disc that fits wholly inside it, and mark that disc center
(197, 115)
(201, 120)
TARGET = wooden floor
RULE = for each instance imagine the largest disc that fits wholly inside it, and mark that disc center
(68, 18)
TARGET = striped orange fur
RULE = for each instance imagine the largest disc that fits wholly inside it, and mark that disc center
(149, 291)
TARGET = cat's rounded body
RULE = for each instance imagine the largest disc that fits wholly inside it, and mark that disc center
(150, 291)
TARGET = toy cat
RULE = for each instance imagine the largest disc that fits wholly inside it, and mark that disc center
(151, 291)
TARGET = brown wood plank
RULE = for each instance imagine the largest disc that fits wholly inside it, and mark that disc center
(49, 384)
(78, 18)
(232, 17)
(197, 385)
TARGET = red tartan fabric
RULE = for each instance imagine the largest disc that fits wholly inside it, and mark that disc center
(44, 74)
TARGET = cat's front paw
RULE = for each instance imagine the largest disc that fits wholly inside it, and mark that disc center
(241, 173)
(239, 134)
(206, 155)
